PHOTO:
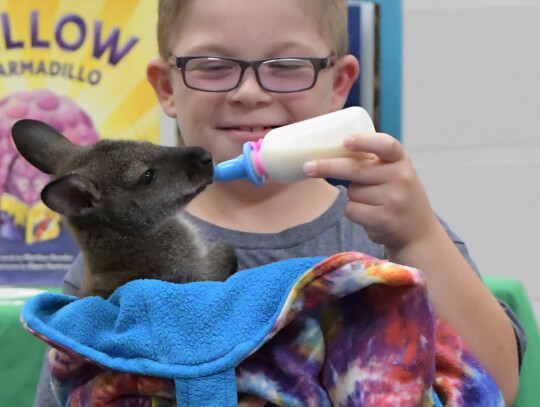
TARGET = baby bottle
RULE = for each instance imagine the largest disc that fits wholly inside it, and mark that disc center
(281, 154)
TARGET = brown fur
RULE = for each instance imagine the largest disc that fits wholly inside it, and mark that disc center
(121, 200)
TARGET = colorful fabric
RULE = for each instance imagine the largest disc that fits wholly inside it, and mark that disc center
(349, 330)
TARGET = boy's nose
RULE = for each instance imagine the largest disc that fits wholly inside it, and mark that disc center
(249, 91)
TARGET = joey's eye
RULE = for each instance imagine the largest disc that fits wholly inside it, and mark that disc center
(147, 177)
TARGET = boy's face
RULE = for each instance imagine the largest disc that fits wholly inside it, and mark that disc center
(249, 30)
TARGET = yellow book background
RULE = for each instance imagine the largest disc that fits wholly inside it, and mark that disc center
(90, 55)
(117, 97)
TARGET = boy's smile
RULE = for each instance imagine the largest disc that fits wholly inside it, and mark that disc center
(246, 132)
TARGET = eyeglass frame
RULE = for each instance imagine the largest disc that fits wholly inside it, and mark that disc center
(318, 65)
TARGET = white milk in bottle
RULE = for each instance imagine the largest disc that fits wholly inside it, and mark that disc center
(281, 154)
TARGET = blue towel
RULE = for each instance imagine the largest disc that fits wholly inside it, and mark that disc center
(195, 333)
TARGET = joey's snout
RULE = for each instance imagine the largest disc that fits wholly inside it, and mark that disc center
(197, 162)
(206, 158)
(196, 156)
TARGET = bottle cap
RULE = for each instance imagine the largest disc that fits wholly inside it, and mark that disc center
(238, 168)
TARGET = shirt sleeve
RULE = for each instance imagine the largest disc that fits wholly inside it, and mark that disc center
(521, 336)
(73, 278)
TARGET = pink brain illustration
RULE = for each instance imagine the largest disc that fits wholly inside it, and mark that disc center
(18, 177)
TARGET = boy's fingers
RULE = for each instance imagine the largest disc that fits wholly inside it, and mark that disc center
(365, 194)
(347, 168)
(370, 150)
(384, 146)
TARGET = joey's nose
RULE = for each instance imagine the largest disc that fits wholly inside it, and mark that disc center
(196, 157)
(202, 157)
(205, 158)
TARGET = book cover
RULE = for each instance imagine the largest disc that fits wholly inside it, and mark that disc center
(81, 68)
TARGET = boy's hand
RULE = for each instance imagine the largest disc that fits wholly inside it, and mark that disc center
(388, 199)
(386, 195)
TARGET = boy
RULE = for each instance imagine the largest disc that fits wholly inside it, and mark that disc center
(220, 104)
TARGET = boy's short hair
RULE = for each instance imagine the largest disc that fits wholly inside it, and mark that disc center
(330, 15)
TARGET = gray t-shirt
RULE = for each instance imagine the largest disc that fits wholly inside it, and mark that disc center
(329, 234)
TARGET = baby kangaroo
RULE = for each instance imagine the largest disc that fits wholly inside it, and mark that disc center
(122, 201)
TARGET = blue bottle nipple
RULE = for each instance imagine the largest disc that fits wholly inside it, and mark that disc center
(239, 167)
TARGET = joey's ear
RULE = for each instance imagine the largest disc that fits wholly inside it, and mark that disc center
(346, 72)
(157, 73)
(71, 195)
(41, 145)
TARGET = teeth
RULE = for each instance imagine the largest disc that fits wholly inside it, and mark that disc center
(254, 129)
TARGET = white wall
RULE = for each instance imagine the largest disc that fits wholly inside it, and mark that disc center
(472, 125)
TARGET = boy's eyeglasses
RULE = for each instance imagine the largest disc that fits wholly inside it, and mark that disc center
(281, 75)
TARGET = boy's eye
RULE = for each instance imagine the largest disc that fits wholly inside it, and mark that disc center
(288, 67)
(210, 66)
(285, 65)
(147, 178)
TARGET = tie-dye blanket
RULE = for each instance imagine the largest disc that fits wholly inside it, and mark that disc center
(349, 330)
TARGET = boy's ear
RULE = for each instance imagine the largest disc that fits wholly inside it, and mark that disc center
(157, 73)
(71, 195)
(346, 72)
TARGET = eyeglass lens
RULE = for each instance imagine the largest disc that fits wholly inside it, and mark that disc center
(280, 75)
